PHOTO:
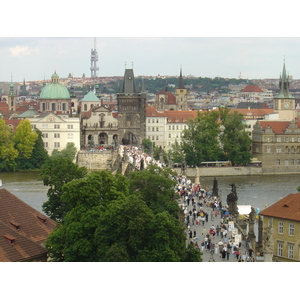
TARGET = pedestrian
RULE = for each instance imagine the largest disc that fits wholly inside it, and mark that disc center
(191, 234)
(228, 251)
(194, 233)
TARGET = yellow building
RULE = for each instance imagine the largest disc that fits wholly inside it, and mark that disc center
(281, 229)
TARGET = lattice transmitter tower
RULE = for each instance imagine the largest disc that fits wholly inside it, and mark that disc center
(94, 59)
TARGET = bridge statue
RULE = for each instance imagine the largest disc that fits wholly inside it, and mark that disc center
(232, 199)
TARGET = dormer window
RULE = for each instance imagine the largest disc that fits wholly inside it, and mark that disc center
(41, 218)
(9, 238)
(15, 224)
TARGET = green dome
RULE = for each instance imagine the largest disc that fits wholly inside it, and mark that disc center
(55, 90)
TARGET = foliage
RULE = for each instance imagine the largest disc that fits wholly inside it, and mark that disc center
(55, 173)
(200, 142)
(236, 141)
(22, 149)
(24, 139)
(113, 218)
(38, 157)
(8, 153)
(177, 153)
(148, 146)
(69, 152)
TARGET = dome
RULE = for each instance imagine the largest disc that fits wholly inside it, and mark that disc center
(54, 90)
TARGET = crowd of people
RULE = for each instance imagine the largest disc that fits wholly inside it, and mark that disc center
(201, 210)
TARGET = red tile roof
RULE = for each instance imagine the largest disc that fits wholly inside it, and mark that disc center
(32, 224)
(286, 208)
(278, 127)
(172, 115)
(171, 98)
(252, 88)
(16, 247)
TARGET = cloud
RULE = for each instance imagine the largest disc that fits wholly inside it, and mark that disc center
(21, 51)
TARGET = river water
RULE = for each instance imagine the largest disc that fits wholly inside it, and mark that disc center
(258, 191)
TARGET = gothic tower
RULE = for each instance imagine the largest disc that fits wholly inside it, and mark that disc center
(284, 102)
(131, 112)
(181, 94)
(11, 97)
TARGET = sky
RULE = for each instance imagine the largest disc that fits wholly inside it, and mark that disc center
(206, 41)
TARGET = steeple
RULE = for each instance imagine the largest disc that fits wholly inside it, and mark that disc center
(284, 85)
(180, 82)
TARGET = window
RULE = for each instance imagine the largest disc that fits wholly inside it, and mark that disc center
(44, 125)
(169, 135)
(56, 135)
(57, 145)
(291, 251)
(156, 128)
(291, 229)
(292, 162)
(70, 135)
(280, 227)
(268, 150)
(148, 120)
(278, 139)
(157, 138)
(286, 162)
(278, 162)
(46, 144)
(278, 150)
(56, 126)
(70, 126)
(45, 135)
(279, 248)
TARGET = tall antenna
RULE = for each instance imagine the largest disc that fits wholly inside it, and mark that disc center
(94, 59)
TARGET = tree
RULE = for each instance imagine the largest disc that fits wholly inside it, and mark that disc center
(200, 142)
(109, 223)
(236, 141)
(69, 152)
(24, 139)
(55, 173)
(38, 157)
(156, 187)
(177, 153)
(8, 153)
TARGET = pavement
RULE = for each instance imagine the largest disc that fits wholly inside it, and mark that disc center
(208, 256)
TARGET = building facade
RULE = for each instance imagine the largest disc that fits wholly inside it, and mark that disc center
(131, 112)
(281, 229)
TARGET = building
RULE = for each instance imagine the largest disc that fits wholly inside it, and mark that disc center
(164, 128)
(55, 97)
(131, 112)
(57, 130)
(23, 230)
(284, 102)
(276, 143)
(281, 229)
(165, 100)
(99, 128)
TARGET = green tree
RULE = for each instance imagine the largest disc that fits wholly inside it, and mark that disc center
(177, 153)
(156, 187)
(105, 224)
(235, 139)
(25, 139)
(38, 157)
(200, 142)
(55, 173)
(69, 152)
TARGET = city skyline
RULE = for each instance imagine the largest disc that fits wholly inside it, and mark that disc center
(32, 58)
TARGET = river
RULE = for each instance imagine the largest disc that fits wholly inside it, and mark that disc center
(258, 191)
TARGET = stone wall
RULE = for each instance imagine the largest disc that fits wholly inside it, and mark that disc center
(95, 160)
(222, 171)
